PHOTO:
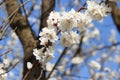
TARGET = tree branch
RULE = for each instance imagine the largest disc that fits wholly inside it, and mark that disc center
(47, 7)
(115, 13)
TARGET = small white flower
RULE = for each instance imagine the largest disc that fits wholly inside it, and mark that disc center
(77, 60)
(107, 69)
(52, 78)
(49, 66)
(97, 11)
(75, 38)
(53, 19)
(4, 74)
(76, 2)
(68, 39)
(16, 60)
(44, 55)
(83, 20)
(14, 36)
(67, 21)
(49, 54)
(112, 37)
(113, 73)
(95, 33)
(6, 62)
(94, 64)
(48, 58)
(46, 35)
(100, 75)
(38, 53)
(117, 59)
(37, 7)
(104, 55)
(11, 74)
(29, 65)
(65, 40)
(61, 68)
(32, 19)
(86, 40)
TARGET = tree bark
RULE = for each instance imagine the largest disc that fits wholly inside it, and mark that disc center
(115, 13)
(47, 7)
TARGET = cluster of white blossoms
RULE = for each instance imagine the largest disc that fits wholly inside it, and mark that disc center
(97, 11)
(69, 25)
(3, 66)
(46, 35)
(67, 39)
(42, 56)
(3, 73)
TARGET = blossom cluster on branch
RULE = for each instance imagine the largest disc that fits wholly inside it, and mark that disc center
(69, 25)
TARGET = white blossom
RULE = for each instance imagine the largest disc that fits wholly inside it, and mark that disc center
(77, 60)
(16, 60)
(49, 54)
(52, 78)
(29, 65)
(94, 64)
(38, 53)
(11, 74)
(95, 33)
(3, 74)
(67, 39)
(117, 59)
(97, 11)
(37, 7)
(6, 62)
(53, 20)
(100, 75)
(104, 55)
(76, 2)
(3, 77)
(113, 73)
(60, 51)
(42, 56)
(112, 37)
(61, 68)
(83, 20)
(107, 69)
(49, 66)
(46, 35)
(14, 36)
(67, 21)
(32, 19)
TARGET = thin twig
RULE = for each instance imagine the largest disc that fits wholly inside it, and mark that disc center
(6, 27)
(104, 47)
(27, 74)
(61, 56)
(15, 11)
(32, 8)
(13, 66)
(83, 7)
(6, 52)
(24, 11)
